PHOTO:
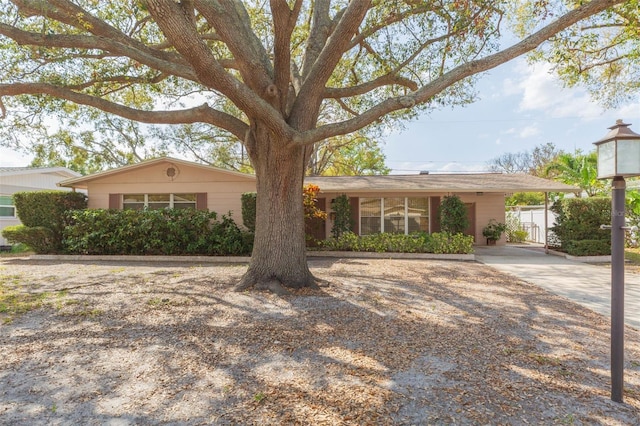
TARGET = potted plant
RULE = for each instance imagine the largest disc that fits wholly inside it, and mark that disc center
(493, 231)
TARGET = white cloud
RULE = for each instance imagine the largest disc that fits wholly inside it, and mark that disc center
(529, 131)
(541, 91)
(630, 114)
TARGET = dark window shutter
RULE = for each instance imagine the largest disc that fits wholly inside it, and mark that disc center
(434, 217)
(355, 214)
(201, 201)
(115, 201)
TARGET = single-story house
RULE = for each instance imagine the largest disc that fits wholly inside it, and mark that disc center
(19, 179)
(392, 203)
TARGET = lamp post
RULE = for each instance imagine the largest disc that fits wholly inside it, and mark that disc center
(618, 157)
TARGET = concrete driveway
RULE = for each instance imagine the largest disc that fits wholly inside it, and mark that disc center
(589, 285)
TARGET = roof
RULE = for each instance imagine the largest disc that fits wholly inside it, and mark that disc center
(15, 171)
(82, 181)
(473, 182)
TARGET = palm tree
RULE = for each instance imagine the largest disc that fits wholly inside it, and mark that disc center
(579, 170)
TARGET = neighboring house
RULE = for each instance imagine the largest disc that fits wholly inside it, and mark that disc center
(393, 203)
(18, 179)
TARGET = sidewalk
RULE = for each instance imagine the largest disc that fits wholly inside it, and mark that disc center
(588, 285)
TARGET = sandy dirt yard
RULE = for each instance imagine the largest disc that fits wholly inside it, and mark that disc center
(387, 342)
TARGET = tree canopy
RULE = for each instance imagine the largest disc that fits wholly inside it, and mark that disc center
(602, 53)
(531, 162)
(281, 77)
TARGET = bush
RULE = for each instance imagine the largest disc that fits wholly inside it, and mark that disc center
(579, 219)
(39, 238)
(446, 243)
(514, 233)
(588, 248)
(47, 209)
(398, 243)
(154, 232)
(453, 215)
(517, 236)
(248, 200)
(342, 221)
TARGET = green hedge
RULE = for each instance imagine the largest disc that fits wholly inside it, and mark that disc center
(579, 219)
(248, 200)
(589, 248)
(441, 243)
(45, 209)
(154, 232)
(38, 238)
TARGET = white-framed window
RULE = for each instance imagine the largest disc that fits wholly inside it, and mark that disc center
(7, 209)
(158, 201)
(398, 215)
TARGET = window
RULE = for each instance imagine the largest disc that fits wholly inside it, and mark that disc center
(418, 214)
(370, 211)
(402, 215)
(394, 216)
(7, 208)
(158, 201)
(184, 201)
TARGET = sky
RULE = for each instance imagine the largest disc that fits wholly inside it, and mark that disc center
(520, 107)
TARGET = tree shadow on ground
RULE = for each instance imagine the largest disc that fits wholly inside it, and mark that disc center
(388, 342)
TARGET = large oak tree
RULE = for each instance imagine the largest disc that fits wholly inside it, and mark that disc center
(281, 76)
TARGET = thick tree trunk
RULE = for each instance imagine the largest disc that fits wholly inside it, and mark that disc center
(279, 256)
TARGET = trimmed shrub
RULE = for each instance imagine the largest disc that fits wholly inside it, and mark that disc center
(46, 209)
(446, 243)
(579, 219)
(453, 215)
(248, 200)
(342, 222)
(588, 248)
(38, 238)
(154, 232)
(398, 243)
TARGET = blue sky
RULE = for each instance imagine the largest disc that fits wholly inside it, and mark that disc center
(520, 107)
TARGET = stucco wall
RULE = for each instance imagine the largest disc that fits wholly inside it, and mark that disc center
(223, 189)
(487, 206)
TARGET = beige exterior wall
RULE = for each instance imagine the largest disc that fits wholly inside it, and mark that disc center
(487, 206)
(223, 189)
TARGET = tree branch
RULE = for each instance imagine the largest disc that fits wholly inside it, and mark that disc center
(183, 35)
(71, 14)
(232, 23)
(314, 82)
(202, 113)
(457, 74)
(177, 68)
(284, 21)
